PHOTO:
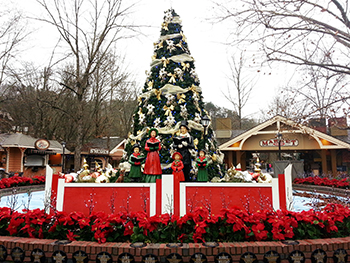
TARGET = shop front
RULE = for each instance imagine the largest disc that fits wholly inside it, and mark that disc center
(27, 156)
(280, 139)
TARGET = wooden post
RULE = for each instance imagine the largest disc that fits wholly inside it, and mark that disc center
(238, 158)
(334, 162)
(324, 161)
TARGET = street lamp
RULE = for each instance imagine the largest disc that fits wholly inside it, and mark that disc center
(279, 137)
(205, 122)
(63, 147)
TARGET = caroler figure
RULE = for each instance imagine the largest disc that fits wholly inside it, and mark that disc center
(177, 167)
(183, 144)
(201, 164)
(136, 159)
(153, 169)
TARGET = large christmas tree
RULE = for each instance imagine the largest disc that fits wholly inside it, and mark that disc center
(170, 95)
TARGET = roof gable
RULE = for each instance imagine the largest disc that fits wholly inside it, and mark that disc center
(279, 124)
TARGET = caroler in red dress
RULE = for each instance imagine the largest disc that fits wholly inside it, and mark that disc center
(177, 167)
(152, 170)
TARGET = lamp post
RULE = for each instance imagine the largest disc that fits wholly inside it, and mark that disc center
(205, 122)
(63, 157)
(279, 137)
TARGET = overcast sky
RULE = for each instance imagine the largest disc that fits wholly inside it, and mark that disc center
(205, 40)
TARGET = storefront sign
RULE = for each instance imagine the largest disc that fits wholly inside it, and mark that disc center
(99, 151)
(42, 144)
(274, 143)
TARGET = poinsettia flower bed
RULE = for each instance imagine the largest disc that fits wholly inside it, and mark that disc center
(324, 181)
(230, 225)
(21, 181)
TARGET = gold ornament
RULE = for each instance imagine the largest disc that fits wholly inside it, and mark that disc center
(195, 142)
(139, 99)
(172, 78)
(214, 157)
(181, 98)
(140, 111)
(150, 85)
(158, 93)
(165, 61)
(185, 66)
(165, 26)
(168, 110)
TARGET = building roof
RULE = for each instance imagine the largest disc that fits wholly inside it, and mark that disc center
(25, 141)
(279, 124)
(102, 143)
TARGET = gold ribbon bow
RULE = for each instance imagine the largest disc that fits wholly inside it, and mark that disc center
(195, 142)
(157, 92)
(181, 98)
(193, 88)
(172, 78)
(168, 110)
(140, 111)
(154, 56)
(150, 85)
(165, 61)
(165, 26)
(139, 99)
(185, 66)
(183, 36)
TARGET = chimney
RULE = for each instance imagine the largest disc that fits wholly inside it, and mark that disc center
(338, 126)
(318, 124)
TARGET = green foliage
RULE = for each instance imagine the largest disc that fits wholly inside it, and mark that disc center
(188, 105)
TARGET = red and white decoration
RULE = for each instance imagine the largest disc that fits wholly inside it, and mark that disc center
(166, 196)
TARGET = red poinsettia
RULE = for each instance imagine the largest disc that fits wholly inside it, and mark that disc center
(21, 181)
(323, 181)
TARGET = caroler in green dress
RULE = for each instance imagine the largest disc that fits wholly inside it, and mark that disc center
(201, 164)
(136, 159)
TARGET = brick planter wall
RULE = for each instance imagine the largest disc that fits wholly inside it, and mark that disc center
(186, 250)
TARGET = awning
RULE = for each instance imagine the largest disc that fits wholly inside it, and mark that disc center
(40, 152)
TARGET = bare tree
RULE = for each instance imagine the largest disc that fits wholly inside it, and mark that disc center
(309, 33)
(285, 104)
(12, 34)
(318, 91)
(89, 29)
(242, 85)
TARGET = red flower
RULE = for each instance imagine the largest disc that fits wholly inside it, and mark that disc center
(100, 236)
(129, 229)
(14, 225)
(71, 236)
(259, 231)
